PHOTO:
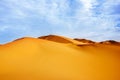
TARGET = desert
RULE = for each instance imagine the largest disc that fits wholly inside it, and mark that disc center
(56, 57)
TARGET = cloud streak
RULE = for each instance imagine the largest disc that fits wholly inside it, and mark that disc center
(92, 19)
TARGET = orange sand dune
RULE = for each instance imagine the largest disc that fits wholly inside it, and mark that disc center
(110, 42)
(60, 39)
(84, 40)
(41, 59)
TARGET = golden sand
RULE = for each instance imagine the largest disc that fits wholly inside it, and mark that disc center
(53, 59)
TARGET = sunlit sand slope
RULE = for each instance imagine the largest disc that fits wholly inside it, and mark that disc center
(41, 59)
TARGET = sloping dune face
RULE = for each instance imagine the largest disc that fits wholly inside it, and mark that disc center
(55, 38)
(41, 59)
(84, 40)
(110, 42)
(60, 39)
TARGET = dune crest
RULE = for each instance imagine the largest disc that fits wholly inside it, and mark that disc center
(110, 42)
(85, 40)
(60, 39)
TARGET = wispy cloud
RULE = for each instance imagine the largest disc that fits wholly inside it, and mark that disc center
(93, 19)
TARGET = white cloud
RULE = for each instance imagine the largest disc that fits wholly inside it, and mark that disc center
(84, 23)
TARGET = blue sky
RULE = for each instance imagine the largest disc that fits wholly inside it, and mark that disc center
(92, 19)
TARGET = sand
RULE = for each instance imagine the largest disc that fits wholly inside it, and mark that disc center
(53, 59)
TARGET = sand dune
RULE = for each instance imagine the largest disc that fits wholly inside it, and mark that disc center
(84, 40)
(60, 39)
(110, 42)
(58, 58)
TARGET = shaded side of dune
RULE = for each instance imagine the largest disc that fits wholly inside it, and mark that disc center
(110, 42)
(55, 38)
(85, 40)
(60, 39)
